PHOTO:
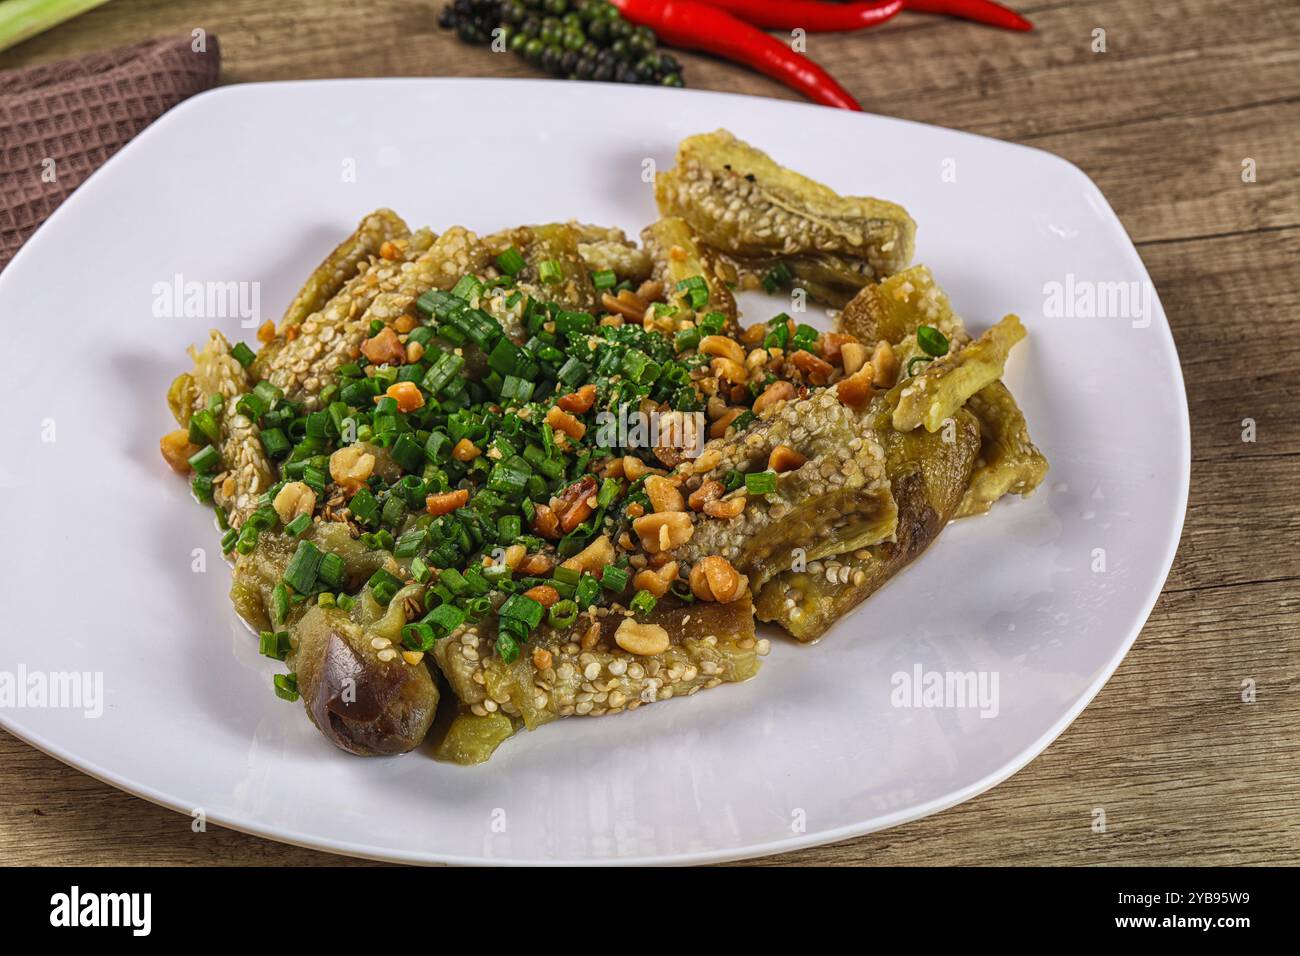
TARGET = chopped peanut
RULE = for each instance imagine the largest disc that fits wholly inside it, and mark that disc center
(725, 508)
(465, 450)
(714, 579)
(514, 556)
(831, 344)
(814, 369)
(406, 394)
(536, 565)
(658, 581)
(414, 352)
(412, 657)
(754, 335)
(779, 391)
(885, 364)
(594, 557)
(663, 531)
(722, 347)
(855, 391)
(543, 594)
(663, 494)
(719, 427)
(644, 640)
(542, 658)
(575, 503)
(176, 450)
(591, 636)
(384, 348)
(626, 304)
(546, 523)
(729, 370)
(784, 459)
(446, 502)
(853, 355)
(352, 466)
(633, 468)
(709, 491)
(708, 461)
(562, 421)
(404, 324)
(389, 250)
(266, 331)
(294, 499)
(578, 402)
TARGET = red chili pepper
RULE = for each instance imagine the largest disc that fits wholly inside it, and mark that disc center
(980, 11)
(698, 26)
(813, 16)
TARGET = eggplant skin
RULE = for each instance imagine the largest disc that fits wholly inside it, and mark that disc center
(361, 704)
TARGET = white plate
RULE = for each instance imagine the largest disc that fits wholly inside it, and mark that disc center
(247, 184)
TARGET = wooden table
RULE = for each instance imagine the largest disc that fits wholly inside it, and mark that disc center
(1163, 120)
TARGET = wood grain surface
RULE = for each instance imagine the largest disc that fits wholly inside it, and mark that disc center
(1162, 121)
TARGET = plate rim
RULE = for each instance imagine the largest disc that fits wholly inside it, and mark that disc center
(250, 825)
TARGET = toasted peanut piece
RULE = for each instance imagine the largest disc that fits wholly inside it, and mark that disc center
(709, 491)
(664, 530)
(644, 640)
(575, 503)
(514, 556)
(813, 368)
(853, 355)
(784, 458)
(830, 344)
(626, 304)
(562, 421)
(614, 321)
(714, 407)
(546, 523)
(722, 347)
(855, 391)
(719, 427)
(465, 450)
(406, 394)
(294, 499)
(707, 461)
(414, 352)
(885, 364)
(729, 370)
(535, 565)
(591, 637)
(383, 348)
(578, 402)
(389, 250)
(663, 494)
(714, 579)
(266, 331)
(542, 658)
(633, 467)
(404, 324)
(780, 391)
(543, 594)
(412, 657)
(176, 450)
(612, 468)
(635, 509)
(593, 557)
(657, 581)
(446, 502)
(725, 508)
(754, 335)
(351, 466)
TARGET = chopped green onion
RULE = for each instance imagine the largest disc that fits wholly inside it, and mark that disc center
(510, 261)
(588, 588)
(614, 578)
(603, 279)
(508, 648)
(286, 686)
(298, 525)
(204, 460)
(242, 354)
(933, 342)
(562, 614)
(643, 602)
(444, 619)
(418, 636)
(304, 567)
(550, 271)
(912, 363)
(761, 483)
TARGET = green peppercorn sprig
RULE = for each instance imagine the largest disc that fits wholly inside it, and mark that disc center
(577, 39)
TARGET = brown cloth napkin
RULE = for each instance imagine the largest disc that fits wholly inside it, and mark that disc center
(79, 112)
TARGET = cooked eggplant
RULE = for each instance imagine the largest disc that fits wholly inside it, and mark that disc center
(554, 269)
(679, 260)
(1008, 463)
(586, 670)
(609, 248)
(838, 500)
(746, 206)
(894, 308)
(945, 385)
(367, 701)
(928, 474)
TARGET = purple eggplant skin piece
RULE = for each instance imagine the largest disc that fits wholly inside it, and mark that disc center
(364, 705)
